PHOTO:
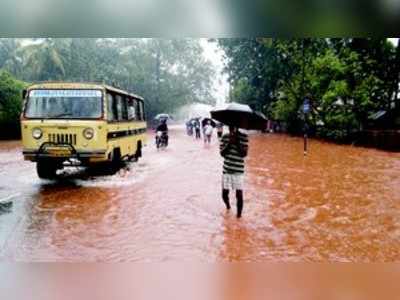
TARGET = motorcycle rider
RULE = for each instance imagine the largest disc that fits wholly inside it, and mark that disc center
(163, 128)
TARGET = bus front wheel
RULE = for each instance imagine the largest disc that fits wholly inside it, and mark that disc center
(116, 160)
(46, 169)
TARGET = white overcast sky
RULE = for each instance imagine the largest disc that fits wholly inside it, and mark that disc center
(215, 55)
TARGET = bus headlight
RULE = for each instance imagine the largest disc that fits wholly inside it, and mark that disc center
(37, 133)
(88, 133)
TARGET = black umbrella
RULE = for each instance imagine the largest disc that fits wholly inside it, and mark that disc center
(197, 120)
(162, 117)
(206, 120)
(239, 115)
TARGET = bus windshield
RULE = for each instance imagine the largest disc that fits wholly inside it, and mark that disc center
(64, 104)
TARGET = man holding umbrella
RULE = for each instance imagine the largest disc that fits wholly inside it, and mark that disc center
(234, 147)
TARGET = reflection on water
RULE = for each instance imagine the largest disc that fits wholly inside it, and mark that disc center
(340, 203)
(59, 218)
(237, 239)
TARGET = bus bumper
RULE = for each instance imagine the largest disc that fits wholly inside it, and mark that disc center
(95, 155)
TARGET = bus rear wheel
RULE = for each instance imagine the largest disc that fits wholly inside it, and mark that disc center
(47, 169)
(138, 153)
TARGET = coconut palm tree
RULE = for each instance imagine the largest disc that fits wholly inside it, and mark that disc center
(37, 61)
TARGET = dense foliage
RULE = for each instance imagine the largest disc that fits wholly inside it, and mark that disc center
(10, 105)
(347, 80)
(168, 73)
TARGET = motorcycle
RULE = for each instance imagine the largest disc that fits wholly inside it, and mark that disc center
(161, 139)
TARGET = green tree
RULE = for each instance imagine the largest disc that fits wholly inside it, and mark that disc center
(10, 105)
(7, 49)
(255, 70)
(347, 79)
(168, 73)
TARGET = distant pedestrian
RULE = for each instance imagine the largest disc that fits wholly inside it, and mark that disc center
(220, 130)
(193, 127)
(208, 131)
(197, 130)
(189, 128)
(233, 149)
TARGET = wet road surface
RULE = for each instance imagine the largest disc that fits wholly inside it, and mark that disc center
(340, 203)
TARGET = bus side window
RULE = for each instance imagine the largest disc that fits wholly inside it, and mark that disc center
(124, 108)
(121, 108)
(138, 110)
(141, 105)
(112, 112)
(131, 109)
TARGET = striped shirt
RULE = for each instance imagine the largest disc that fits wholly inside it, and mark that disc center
(233, 160)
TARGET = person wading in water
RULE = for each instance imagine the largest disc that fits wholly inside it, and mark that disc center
(220, 130)
(233, 148)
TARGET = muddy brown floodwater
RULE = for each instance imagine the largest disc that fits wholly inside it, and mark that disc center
(340, 203)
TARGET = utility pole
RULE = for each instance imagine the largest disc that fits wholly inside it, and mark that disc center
(306, 101)
(397, 74)
(302, 67)
(306, 111)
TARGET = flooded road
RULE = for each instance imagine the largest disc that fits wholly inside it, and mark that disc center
(340, 203)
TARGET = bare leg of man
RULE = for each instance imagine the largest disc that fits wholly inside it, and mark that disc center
(239, 203)
(225, 197)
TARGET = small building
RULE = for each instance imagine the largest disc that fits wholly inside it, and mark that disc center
(383, 130)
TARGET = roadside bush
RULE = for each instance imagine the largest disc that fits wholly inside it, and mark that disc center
(10, 105)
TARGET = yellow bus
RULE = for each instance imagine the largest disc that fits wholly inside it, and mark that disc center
(80, 123)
